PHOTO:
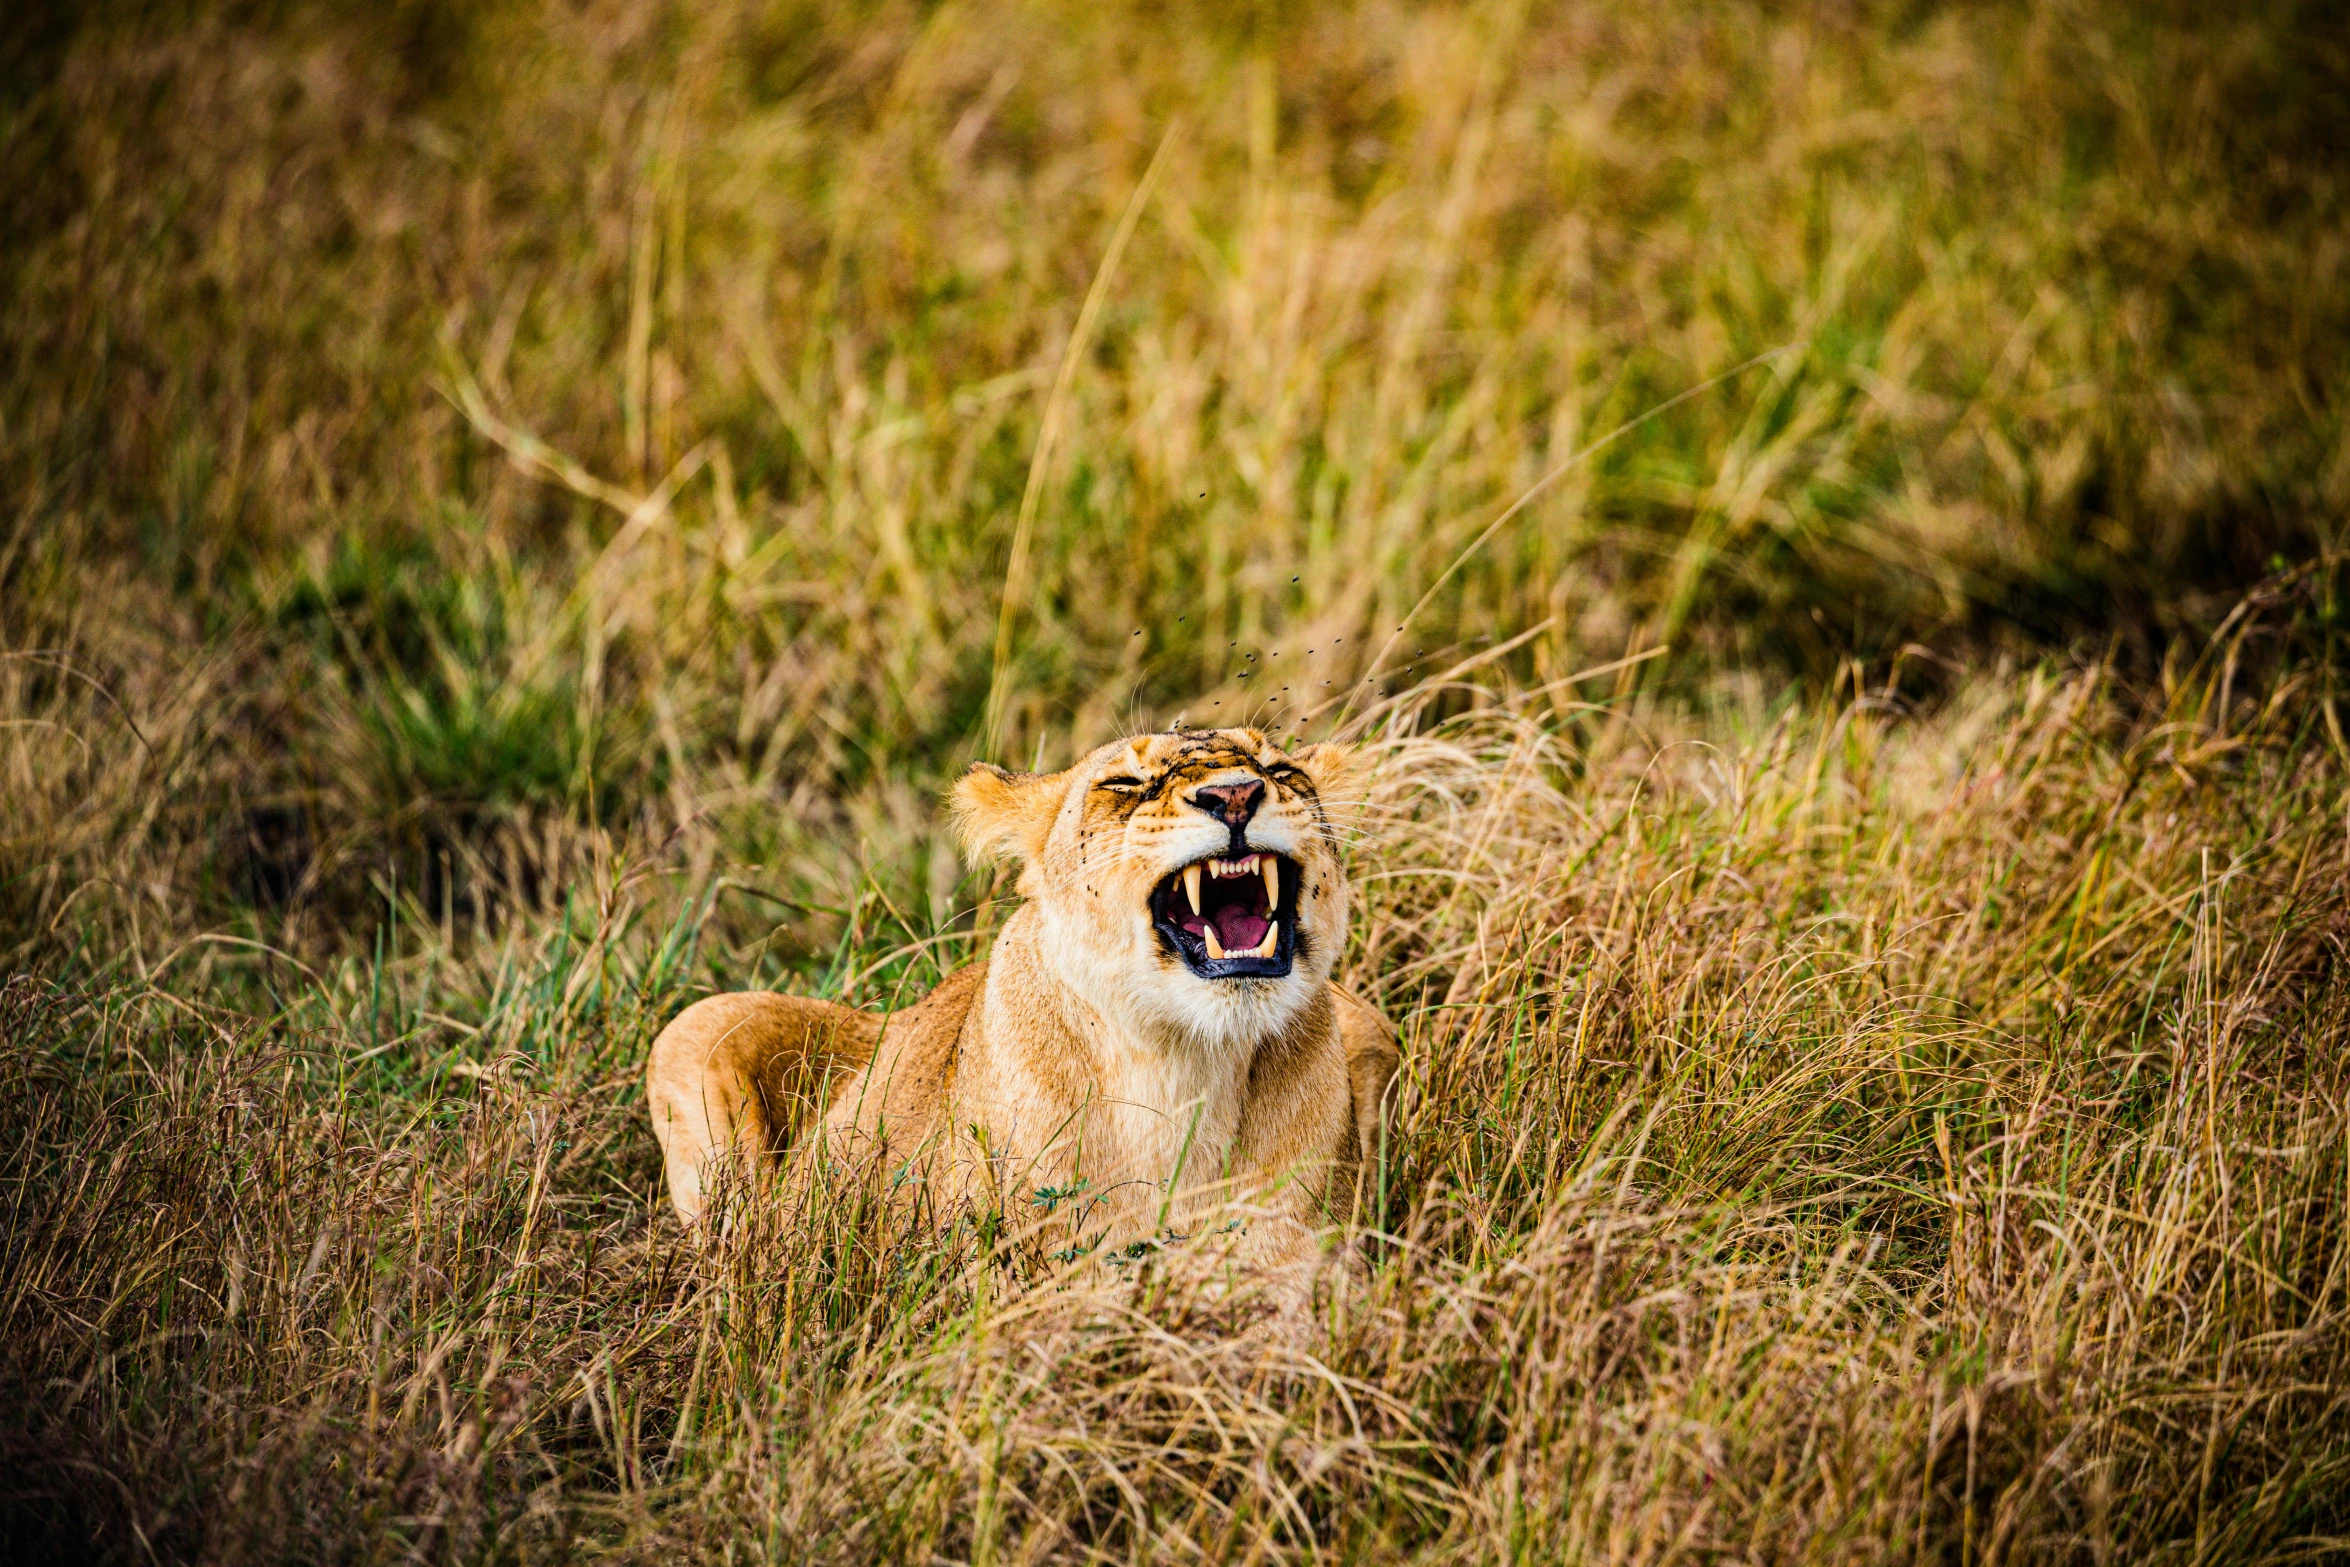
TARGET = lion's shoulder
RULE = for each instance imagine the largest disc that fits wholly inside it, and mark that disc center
(938, 1015)
(914, 1063)
(1372, 1060)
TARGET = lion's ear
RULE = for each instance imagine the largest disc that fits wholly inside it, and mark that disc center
(999, 814)
(1337, 772)
(1331, 766)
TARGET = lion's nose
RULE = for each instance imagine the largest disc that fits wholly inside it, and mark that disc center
(1230, 803)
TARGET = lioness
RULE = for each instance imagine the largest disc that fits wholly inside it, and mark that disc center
(1156, 1019)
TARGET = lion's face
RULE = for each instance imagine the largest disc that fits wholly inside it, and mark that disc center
(1187, 881)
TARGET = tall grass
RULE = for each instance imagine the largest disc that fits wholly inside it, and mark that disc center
(1834, 1136)
(513, 512)
(535, 395)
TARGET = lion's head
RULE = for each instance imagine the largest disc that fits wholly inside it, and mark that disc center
(1186, 882)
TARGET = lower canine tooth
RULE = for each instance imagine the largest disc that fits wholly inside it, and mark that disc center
(1191, 884)
(1215, 947)
(1272, 940)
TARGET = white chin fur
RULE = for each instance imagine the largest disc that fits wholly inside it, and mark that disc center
(1220, 1014)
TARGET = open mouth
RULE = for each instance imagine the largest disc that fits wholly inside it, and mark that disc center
(1228, 919)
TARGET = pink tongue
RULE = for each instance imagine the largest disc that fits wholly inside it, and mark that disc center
(1237, 929)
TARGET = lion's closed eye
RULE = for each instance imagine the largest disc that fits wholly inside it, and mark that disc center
(1120, 783)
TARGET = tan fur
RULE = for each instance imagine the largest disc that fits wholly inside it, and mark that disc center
(1082, 1046)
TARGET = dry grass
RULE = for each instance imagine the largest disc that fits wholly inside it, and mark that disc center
(431, 304)
(1845, 1137)
(511, 513)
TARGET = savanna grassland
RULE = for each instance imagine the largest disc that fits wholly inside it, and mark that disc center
(1826, 523)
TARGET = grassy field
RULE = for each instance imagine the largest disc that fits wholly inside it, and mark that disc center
(1826, 521)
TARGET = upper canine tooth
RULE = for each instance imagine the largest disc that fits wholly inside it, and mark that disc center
(1215, 947)
(1272, 870)
(1191, 884)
